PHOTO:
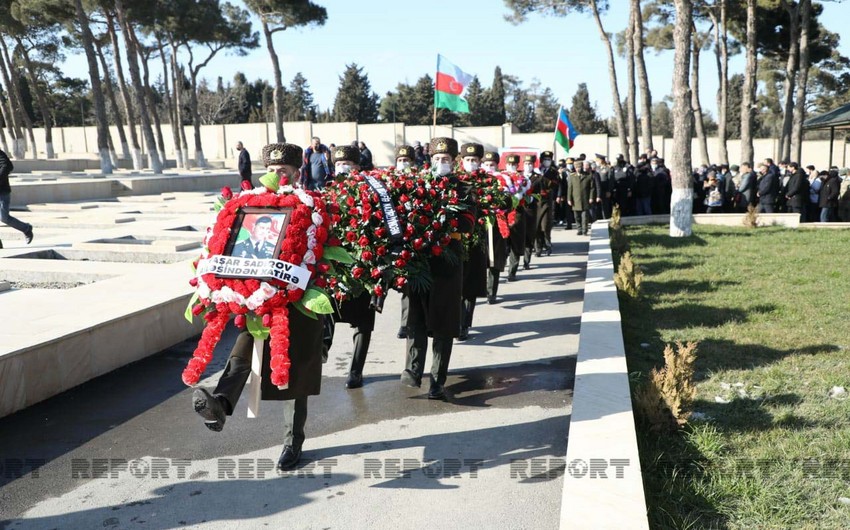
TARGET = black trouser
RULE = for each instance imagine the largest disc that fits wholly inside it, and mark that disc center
(233, 380)
(513, 263)
(582, 217)
(468, 311)
(492, 282)
(405, 307)
(362, 338)
(417, 347)
(800, 210)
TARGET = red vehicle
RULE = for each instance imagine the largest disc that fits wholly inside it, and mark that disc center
(521, 151)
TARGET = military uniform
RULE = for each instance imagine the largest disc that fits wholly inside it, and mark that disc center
(546, 185)
(530, 213)
(583, 194)
(475, 266)
(495, 245)
(305, 354)
(437, 311)
(408, 154)
(516, 233)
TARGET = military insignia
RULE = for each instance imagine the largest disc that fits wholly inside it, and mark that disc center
(339, 154)
(529, 158)
(470, 149)
(442, 146)
(277, 154)
(403, 152)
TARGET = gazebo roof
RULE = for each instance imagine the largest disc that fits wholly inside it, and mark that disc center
(838, 118)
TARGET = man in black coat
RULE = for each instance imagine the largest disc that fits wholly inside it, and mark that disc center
(305, 354)
(6, 168)
(244, 162)
(437, 310)
(496, 246)
(768, 186)
(624, 182)
(797, 194)
(516, 226)
(546, 185)
(365, 161)
(475, 266)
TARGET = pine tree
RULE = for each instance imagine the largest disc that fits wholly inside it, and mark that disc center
(498, 114)
(298, 100)
(355, 100)
(583, 114)
(476, 97)
(546, 107)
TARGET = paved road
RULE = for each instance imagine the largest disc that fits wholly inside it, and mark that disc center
(126, 451)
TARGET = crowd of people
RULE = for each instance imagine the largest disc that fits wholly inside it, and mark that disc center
(817, 196)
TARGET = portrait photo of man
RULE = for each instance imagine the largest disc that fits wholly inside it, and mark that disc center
(264, 231)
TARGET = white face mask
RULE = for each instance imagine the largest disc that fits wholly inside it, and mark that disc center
(343, 168)
(489, 167)
(404, 165)
(469, 165)
(547, 163)
(571, 167)
(528, 169)
(510, 167)
(443, 168)
(654, 166)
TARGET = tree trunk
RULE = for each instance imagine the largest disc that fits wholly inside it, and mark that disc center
(748, 98)
(803, 79)
(184, 141)
(643, 80)
(40, 100)
(97, 93)
(196, 122)
(695, 102)
(612, 76)
(125, 94)
(133, 63)
(721, 56)
(278, 84)
(790, 78)
(180, 136)
(681, 202)
(18, 101)
(10, 117)
(113, 102)
(631, 97)
(149, 96)
(175, 134)
(3, 143)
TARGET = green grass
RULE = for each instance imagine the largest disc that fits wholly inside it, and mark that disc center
(770, 310)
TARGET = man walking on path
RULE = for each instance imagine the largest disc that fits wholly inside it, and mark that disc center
(6, 168)
(244, 162)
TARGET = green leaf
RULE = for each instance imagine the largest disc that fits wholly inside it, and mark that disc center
(338, 254)
(299, 305)
(255, 326)
(317, 301)
(188, 313)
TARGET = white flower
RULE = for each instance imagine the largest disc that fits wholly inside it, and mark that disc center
(317, 219)
(311, 232)
(305, 197)
(311, 242)
(267, 290)
(309, 258)
(285, 190)
(203, 289)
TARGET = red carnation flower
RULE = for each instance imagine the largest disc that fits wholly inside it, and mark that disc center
(351, 237)
(400, 281)
(246, 185)
(382, 251)
(363, 241)
(357, 272)
(436, 250)
(367, 255)
(226, 193)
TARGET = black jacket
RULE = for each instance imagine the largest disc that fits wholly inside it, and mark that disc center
(829, 191)
(6, 168)
(769, 184)
(798, 189)
(244, 164)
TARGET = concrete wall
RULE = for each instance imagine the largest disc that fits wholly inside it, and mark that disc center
(218, 141)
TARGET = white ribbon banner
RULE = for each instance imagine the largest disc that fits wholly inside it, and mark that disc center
(232, 267)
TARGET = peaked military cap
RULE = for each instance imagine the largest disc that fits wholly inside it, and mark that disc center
(512, 159)
(443, 146)
(570, 160)
(346, 152)
(529, 158)
(404, 150)
(491, 156)
(547, 155)
(281, 153)
(472, 149)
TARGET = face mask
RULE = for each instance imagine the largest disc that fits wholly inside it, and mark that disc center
(654, 166)
(442, 169)
(571, 167)
(547, 163)
(343, 168)
(528, 169)
(470, 166)
(404, 165)
(510, 167)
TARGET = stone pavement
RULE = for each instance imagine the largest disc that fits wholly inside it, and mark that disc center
(126, 450)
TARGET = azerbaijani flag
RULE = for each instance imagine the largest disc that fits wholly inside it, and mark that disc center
(450, 85)
(565, 133)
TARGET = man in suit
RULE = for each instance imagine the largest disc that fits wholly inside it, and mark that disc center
(768, 186)
(546, 184)
(583, 195)
(257, 246)
(305, 353)
(244, 162)
(797, 193)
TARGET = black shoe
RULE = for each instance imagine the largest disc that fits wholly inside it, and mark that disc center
(511, 277)
(464, 334)
(539, 254)
(526, 266)
(402, 332)
(289, 458)
(436, 391)
(210, 408)
(325, 352)
(491, 299)
(408, 379)
(354, 380)
(1, 244)
(549, 251)
(28, 236)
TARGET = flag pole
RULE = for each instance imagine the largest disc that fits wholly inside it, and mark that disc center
(434, 122)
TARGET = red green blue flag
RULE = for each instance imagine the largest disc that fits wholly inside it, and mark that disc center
(450, 86)
(565, 133)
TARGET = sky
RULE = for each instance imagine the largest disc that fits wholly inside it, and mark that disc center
(396, 42)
